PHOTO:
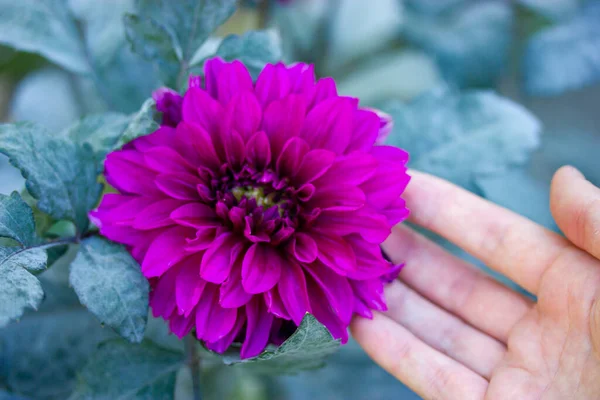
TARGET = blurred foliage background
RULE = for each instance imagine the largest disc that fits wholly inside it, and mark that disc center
(494, 95)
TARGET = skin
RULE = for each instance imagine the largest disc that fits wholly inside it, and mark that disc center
(451, 332)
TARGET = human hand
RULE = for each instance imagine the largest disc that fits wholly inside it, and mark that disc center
(451, 332)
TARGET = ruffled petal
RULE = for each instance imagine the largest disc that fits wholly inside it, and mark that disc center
(272, 84)
(293, 292)
(258, 151)
(283, 119)
(261, 268)
(258, 328)
(336, 288)
(327, 125)
(217, 261)
(188, 284)
(165, 251)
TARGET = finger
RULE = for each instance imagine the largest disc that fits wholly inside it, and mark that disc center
(455, 284)
(442, 330)
(429, 373)
(575, 205)
(505, 241)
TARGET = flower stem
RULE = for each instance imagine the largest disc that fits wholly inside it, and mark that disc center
(193, 361)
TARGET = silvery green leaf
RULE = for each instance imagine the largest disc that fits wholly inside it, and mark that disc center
(307, 348)
(43, 27)
(359, 28)
(31, 101)
(110, 284)
(433, 6)
(60, 174)
(10, 177)
(42, 352)
(169, 33)
(565, 56)
(142, 123)
(401, 75)
(100, 131)
(527, 196)
(16, 219)
(255, 49)
(119, 369)
(470, 45)
(154, 43)
(553, 9)
(117, 70)
(4, 395)
(461, 136)
(19, 289)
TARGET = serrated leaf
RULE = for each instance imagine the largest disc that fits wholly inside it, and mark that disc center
(565, 56)
(60, 174)
(307, 348)
(19, 289)
(129, 371)
(100, 131)
(460, 136)
(41, 353)
(43, 27)
(255, 49)
(142, 123)
(16, 219)
(169, 33)
(110, 284)
(470, 45)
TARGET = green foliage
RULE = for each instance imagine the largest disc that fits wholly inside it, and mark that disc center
(100, 131)
(461, 136)
(16, 219)
(306, 349)
(43, 27)
(169, 33)
(121, 370)
(141, 123)
(60, 174)
(110, 284)
(565, 56)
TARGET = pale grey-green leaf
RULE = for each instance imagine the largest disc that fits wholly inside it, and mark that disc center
(306, 349)
(110, 284)
(16, 219)
(60, 174)
(255, 49)
(458, 136)
(142, 123)
(43, 27)
(120, 370)
(43, 351)
(100, 131)
(470, 45)
(565, 56)
(19, 289)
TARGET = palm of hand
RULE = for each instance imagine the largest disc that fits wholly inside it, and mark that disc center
(453, 333)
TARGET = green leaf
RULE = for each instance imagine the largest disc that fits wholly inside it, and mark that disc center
(255, 49)
(19, 289)
(16, 219)
(142, 123)
(565, 56)
(100, 131)
(460, 136)
(305, 349)
(41, 353)
(61, 174)
(169, 33)
(43, 27)
(470, 45)
(554, 10)
(4, 395)
(121, 370)
(110, 284)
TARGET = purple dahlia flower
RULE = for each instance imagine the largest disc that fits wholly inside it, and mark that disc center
(254, 204)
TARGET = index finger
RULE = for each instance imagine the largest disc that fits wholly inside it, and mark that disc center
(505, 241)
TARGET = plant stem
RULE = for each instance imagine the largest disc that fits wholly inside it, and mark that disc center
(193, 361)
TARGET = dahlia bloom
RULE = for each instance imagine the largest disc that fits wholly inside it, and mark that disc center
(254, 204)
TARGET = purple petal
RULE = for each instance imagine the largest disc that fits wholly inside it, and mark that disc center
(232, 293)
(213, 322)
(233, 78)
(291, 156)
(366, 130)
(188, 284)
(243, 114)
(275, 304)
(156, 215)
(194, 215)
(165, 251)
(168, 102)
(164, 159)
(293, 292)
(272, 84)
(126, 171)
(371, 225)
(181, 325)
(337, 254)
(323, 90)
(217, 260)
(258, 151)
(223, 344)
(283, 119)
(314, 164)
(162, 296)
(328, 125)
(180, 185)
(338, 198)
(212, 69)
(324, 313)
(336, 288)
(304, 248)
(258, 328)
(261, 268)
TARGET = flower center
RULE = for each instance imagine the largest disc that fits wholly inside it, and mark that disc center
(264, 200)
